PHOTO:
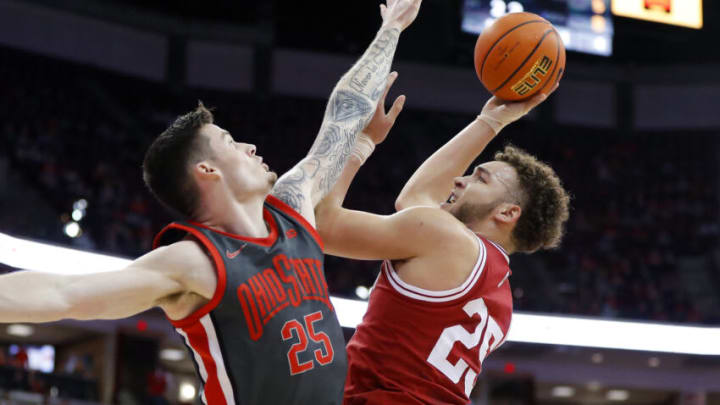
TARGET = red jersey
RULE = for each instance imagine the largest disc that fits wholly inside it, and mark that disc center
(416, 346)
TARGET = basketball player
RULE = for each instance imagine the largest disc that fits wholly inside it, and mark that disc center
(242, 279)
(442, 301)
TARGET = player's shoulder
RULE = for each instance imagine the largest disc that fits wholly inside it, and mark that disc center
(436, 224)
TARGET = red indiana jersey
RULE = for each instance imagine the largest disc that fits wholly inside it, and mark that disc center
(416, 346)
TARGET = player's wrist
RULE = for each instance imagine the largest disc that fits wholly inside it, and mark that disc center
(391, 25)
(364, 147)
(495, 124)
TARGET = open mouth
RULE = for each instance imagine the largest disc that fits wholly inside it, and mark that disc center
(451, 199)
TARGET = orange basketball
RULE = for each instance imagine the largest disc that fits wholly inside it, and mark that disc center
(519, 55)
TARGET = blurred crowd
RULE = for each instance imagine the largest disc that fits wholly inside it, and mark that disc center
(643, 231)
(18, 378)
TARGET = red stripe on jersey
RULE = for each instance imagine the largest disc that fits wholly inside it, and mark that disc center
(198, 339)
(279, 204)
(219, 271)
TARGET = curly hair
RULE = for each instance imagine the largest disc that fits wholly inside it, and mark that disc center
(165, 167)
(545, 203)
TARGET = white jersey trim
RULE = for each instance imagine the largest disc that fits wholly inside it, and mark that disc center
(216, 354)
(500, 248)
(438, 296)
(198, 361)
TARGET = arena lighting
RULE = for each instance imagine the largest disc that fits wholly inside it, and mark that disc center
(563, 391)
(172, 354)
(24, 254)
(617, 395)
(17, 329)
(187, 392)
(525, 328)
(72, 229)
(362, 292)
(77, 215)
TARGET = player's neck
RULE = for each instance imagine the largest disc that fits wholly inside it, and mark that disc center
(489, 230)
(243, 218)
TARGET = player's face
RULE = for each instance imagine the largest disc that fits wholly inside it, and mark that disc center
(478, 195)
(241, 168)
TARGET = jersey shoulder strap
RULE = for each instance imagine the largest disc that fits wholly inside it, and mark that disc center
(277, 206)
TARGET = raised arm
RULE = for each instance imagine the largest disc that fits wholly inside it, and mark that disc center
(432, 182)
(351, 105)
(31, 296)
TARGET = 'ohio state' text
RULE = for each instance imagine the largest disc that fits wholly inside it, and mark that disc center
(289, 282)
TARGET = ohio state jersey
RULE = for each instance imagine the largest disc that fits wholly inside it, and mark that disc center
(416, 346)
(270, 334)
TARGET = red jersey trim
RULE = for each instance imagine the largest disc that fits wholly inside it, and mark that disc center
(266, 241)
(279, 204)
(422, 294)
(202, 340)
(219, 270)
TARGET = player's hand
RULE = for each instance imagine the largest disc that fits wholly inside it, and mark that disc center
(399, 13)
(498, 113)
(381, 123)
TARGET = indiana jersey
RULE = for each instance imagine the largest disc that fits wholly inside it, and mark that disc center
(416, 346)
(269, 335)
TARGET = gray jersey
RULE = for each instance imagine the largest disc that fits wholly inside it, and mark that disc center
(270, 334)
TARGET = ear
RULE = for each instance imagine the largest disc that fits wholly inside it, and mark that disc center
(508, 213)
(205, 171)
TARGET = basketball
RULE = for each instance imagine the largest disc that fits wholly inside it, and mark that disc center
(519, 56)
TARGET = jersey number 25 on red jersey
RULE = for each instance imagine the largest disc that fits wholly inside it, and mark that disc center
(487, 329)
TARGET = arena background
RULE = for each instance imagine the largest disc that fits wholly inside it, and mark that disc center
(86, 85)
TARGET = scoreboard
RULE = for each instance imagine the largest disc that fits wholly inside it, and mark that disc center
(686, 13)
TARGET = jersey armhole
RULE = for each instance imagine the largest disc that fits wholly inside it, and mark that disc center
(287, 210)
(218, 266)
(415, 293)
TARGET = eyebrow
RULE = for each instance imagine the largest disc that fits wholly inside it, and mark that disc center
(483, 171)
(226, 133)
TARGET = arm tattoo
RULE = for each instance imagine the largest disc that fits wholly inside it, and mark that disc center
(345, 105)
(289, 189)
(375, 61)
(351, 106)
(349, 109)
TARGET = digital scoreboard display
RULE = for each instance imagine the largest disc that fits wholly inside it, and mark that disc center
(584, 25)
(686, 13)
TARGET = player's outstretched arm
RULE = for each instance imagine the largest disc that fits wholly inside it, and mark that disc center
(432, 182)
(351, 105)
(30, 296)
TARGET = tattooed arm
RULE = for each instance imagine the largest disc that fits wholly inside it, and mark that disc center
(349, 109)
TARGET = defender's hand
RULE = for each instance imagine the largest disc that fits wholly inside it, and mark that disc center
(381, 123)
(399, 13)
(498, 113)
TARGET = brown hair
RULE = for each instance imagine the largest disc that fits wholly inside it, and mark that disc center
(545, 203)
(166, 164)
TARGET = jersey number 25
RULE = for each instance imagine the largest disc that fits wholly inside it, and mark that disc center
(439, 355)
(296, 367)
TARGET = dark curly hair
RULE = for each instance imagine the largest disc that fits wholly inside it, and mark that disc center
(545, 203)
(167, 160)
